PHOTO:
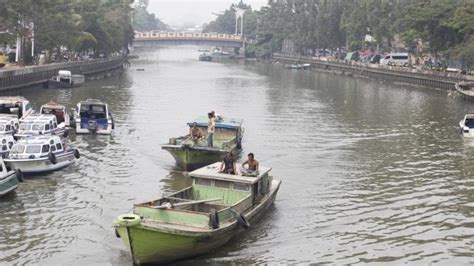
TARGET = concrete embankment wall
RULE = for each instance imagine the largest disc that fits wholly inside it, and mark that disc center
(27, 76)
(425, 78)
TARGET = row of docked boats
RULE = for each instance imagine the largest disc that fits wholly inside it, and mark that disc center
(206, 215)
(37, 142)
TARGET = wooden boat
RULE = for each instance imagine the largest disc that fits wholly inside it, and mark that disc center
(197, 219)
(191, 155)
(466, 89)
(9, 180)
(467, 126)
(65, 79)
(40, 154)
(205, 57)
(93, 116)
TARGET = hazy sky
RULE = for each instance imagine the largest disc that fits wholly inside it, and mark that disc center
(179, 12)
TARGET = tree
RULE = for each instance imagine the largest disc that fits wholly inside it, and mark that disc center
(85, 42)
(144, 21)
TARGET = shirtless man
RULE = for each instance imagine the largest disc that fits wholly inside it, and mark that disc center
(252, 169)
(195, 133)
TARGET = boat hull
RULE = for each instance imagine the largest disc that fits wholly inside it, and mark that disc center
(466, 131)
(42, 164)
(464, 90)
(107, 131)
(8, 184)
(77, 81)
(205, 58)
(189, 158)
(158, 245)
(62, 132)
(85, 130)
(154, 246)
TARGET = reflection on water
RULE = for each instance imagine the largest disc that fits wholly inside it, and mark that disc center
(371, 172)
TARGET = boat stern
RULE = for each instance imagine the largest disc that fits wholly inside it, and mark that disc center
(467, 126)
(191, 158)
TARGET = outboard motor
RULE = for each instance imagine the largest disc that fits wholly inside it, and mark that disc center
(92, 126)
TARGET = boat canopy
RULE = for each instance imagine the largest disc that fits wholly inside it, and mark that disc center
(12, 100)
(53, 106)
(221, 122)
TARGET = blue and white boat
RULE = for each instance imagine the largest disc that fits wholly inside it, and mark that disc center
(467, 126)
(93, 116)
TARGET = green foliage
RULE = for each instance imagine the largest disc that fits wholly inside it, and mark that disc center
(225, 22)
(144, 21)
(443, 26)
(85, 42)
(74, 24)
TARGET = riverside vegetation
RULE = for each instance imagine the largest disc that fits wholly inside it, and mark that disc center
(74, 26)
(442, 26)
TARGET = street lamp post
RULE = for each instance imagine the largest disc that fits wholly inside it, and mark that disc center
(239, 13)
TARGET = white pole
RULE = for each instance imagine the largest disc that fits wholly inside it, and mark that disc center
(18, 48)
(242, 25)
(33, 40)
(236, 23)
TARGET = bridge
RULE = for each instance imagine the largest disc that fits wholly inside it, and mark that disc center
(160, 38)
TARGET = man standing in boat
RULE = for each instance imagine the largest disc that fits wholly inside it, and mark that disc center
(211, 126)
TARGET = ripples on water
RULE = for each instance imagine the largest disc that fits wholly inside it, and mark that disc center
(371, 172)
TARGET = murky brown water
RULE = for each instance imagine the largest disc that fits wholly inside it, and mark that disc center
(371, 172)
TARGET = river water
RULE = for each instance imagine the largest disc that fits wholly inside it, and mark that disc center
(371, 172)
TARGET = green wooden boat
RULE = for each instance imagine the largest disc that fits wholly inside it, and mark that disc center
(190, 155)
(9, 180)
(197, 219)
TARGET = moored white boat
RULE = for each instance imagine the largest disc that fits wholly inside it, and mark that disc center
(6, 143)
(60, 111)
(40, 154)
(298, 66)
(15, 105)
(65, 79)
(467, 126)
(41, 124)
(9, 124)
(93, 116)
(466, 89)
(205, 57)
